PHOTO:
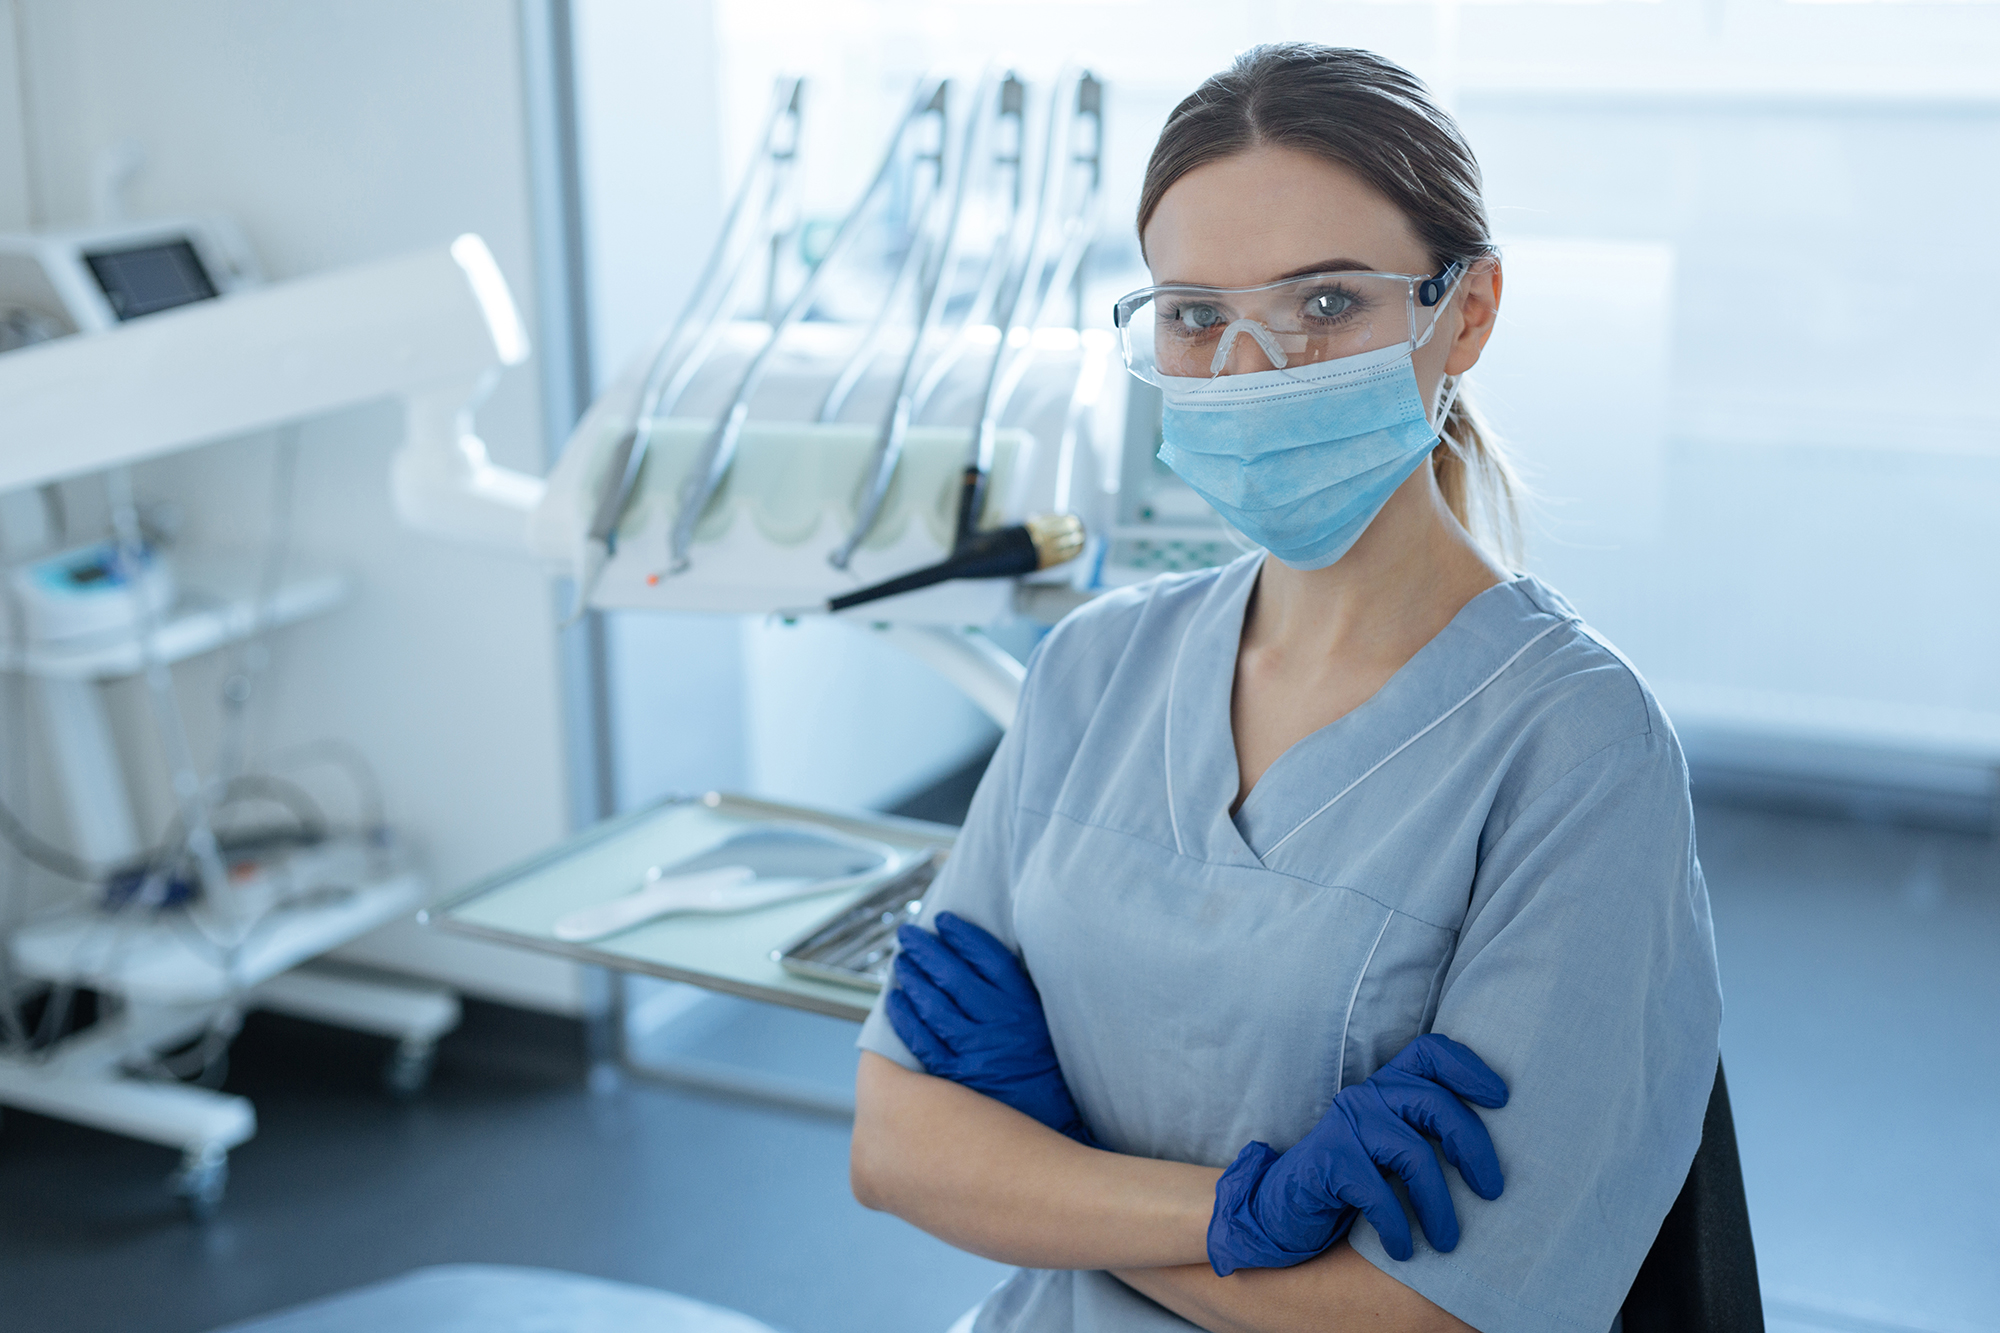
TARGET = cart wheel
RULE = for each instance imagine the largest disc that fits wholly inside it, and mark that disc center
(409, 1069)
(203, 1175)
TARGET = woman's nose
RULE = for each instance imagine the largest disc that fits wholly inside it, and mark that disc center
(1247, 346)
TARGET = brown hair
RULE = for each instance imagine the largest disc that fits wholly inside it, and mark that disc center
(1375, 118)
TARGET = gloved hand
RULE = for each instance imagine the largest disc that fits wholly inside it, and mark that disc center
(967, 1010)
(1274, 1210)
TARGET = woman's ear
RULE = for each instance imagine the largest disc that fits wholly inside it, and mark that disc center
(1478, 308)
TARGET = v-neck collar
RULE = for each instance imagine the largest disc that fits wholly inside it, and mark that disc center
(1488, 634)
(1200, 754)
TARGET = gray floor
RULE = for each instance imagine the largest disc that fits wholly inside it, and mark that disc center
(1863, 1040)
(1861, 1031)
(510, 1158)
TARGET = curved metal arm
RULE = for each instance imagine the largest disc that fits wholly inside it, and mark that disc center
(777, 151)
(1069, 262)
(915, 261)
(720, 450)
(1007, 155)
(997, 391)
(979, 667)
(889, 444)
(777, 147)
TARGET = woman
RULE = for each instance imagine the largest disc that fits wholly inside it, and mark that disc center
(1323, 849)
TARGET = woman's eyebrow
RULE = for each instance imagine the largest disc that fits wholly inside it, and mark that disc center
(1321, 266)
(1327, 266)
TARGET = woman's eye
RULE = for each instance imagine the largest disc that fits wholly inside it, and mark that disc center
(1196, 318)
(1328, 305)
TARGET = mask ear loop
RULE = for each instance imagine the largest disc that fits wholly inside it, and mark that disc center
(1436, 294)
(1450, 387)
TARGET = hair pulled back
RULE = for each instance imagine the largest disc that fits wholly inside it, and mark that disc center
(1375, 118)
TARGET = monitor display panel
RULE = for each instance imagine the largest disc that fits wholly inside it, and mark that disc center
(150, 278)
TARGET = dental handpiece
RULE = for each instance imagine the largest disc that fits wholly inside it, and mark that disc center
(1044, 541)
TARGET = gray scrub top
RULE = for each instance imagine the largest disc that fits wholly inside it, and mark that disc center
(1497, 846)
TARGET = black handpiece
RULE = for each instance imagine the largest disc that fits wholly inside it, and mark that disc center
(1043, 541)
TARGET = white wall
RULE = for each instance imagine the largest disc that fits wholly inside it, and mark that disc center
(652, 168)
(13, 133)
(1795, 526)
(337, 131)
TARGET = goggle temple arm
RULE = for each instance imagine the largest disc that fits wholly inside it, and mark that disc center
(1431, 293)
(1433, 290)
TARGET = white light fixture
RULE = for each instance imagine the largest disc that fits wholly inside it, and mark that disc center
(429, 328)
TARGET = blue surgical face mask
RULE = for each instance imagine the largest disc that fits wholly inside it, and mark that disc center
(1301, 461)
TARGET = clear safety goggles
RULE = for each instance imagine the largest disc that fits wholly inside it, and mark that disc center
(1179, 333)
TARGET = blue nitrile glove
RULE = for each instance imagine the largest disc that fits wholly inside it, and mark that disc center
(967, 1010)
(1274, 1210)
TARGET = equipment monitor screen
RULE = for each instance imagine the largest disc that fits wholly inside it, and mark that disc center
(151, 278)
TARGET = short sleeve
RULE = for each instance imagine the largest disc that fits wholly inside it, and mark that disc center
(1585, 975)
(977, 881)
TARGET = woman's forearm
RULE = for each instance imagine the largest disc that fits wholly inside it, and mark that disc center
(1338, 1290)
(990, 1180)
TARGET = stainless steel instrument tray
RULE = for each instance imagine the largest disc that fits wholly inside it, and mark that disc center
(856, 945)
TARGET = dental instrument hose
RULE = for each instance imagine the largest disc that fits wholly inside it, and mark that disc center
(1044, 541)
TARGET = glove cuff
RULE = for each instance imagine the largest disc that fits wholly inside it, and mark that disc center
(1235, 1240)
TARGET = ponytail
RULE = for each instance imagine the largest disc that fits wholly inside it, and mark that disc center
(1479, 484)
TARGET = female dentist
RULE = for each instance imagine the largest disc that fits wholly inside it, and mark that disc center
(1287, 867)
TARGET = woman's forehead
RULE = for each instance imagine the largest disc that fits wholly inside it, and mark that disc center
(1268, 213)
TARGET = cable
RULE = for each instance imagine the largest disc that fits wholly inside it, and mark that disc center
(45, 854)
(239, 684)
(349, 759)
(251, 786)
(190, 793)
(190, 842)
(197, 834)
(312, 824)
(13, 779)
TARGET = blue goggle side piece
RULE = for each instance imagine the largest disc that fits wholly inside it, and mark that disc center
(1432, 290)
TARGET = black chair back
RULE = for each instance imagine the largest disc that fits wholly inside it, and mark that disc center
(1701, 1276)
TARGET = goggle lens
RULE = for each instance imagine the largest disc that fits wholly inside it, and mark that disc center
(1201, 332)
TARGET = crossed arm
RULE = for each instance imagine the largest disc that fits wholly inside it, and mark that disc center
(986, 1178)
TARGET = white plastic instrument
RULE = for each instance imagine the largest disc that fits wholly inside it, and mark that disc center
(759, 867)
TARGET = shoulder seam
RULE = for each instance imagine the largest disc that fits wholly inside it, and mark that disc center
(1584, 630)
(1559, 778)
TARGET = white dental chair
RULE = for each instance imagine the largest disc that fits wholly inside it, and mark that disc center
(500, 1298)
